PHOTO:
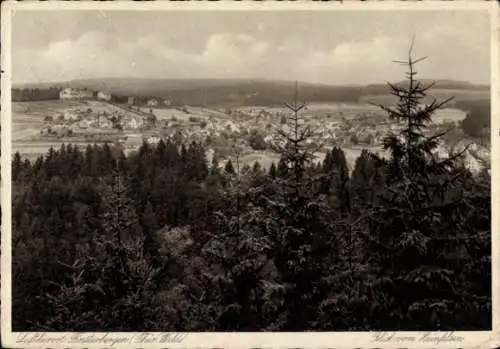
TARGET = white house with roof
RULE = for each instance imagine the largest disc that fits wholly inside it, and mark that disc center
(132, 122)
(231, 126)
(71, 93)
(153, 140)
(152, 102)
(84, 124)
(105, 96)
(70, 115)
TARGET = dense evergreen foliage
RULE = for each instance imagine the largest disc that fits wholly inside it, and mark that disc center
(35, 94)
(477, 122)
(160, 240)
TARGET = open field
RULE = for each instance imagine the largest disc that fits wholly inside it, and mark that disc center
(46, 107)
(196, 112)
(33, 150)
(167, 114)
(28, 117)
(316, 109)
(447, 115)
(28, 120)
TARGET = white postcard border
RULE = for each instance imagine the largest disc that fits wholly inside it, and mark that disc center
(483, 339)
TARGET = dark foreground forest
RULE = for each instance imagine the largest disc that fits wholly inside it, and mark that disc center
(162, 241)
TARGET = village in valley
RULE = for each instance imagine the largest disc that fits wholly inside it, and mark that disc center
(82, 116)
(120, 118)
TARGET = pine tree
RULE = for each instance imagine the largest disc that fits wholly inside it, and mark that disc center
(273, 171)
(295, 220)
(17, 166)
(91, 163)
(173, 158)
(336, 180)
(327, 165)
(53, 232)
(149, 227)
(229, 168)
(237, 252)
(256, 167)
(367, 179)
(410, 240)
(118, 215)
(160, 151)
(194, 162)
(214, 168)
(282, 169)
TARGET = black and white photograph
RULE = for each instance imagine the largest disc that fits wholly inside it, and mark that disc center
(248, 170)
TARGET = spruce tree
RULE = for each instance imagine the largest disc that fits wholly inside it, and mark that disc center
(149, 227)
(17, 166)
(282, 168)
(256, 168)
(336, 180)
(409, 235)
(229, 168)
(273, 171)
(367, 179)
(214, 167)
(237, 254)
(295, 222)
(119, 219)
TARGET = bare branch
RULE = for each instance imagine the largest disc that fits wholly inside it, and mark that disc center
(400, 62)
(410, 51)
(295, 108)
(419, 60)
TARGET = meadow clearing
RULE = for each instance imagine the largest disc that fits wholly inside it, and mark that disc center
(28, 119)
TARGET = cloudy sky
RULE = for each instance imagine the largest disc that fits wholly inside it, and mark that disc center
(334, 47)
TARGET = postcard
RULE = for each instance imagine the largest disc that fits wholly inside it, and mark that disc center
(250, 174)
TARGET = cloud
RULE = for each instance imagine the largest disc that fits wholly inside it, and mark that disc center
(101, 55)
(355, 62)
(240, 55)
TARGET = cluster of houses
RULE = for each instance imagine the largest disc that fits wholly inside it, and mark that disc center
(252, 113)
(78, 119)
(70, 93)
(118, 121)
(150, 102)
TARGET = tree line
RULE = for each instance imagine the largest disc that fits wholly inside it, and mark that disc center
(34, 94)
(477, 122)
(160, 240)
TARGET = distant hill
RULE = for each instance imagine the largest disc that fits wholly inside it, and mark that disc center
(237, 92)
(437, 84)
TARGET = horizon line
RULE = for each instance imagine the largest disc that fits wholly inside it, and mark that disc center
(477, 84)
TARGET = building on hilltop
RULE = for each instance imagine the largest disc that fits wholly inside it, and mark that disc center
(153, 102)
(66, 93)
(131, 100)
(71, 93)
(105, 96)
